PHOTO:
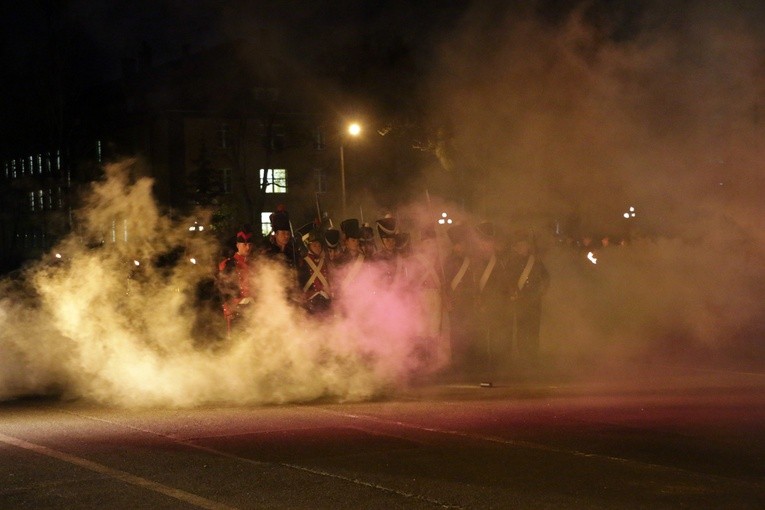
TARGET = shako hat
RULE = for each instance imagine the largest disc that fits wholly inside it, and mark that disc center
(350, 228)
(314, 235)
(366, 233)
(332, 238)
(386, 227)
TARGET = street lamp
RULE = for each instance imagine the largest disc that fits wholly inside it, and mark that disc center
(354, 129)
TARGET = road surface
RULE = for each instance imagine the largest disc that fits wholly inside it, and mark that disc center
(693, 439)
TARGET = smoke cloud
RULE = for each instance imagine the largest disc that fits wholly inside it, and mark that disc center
(118, 321)
(573, 120)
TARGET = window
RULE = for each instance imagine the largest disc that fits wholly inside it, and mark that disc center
(277, 179)
(320, 180)
(265, 223)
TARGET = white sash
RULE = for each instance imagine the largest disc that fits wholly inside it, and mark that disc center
(487, 272)
(526, 272)
(460, 274)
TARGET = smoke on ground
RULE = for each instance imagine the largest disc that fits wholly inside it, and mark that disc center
(117, 320)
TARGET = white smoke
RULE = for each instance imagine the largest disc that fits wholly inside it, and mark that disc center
(97, 326)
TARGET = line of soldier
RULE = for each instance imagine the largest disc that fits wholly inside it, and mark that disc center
(486, 297)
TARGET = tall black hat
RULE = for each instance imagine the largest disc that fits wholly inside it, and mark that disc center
(350, 228)
(386, 227)
(332, 238)
(314, 235)
(280, 220)
(367, 235)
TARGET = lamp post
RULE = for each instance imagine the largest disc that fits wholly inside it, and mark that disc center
(354, 129)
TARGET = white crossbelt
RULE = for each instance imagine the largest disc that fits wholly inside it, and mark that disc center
(487, 272)
(316, 275)
(460, 274)
(526, 272)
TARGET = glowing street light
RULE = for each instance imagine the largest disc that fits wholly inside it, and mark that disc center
(354, 130)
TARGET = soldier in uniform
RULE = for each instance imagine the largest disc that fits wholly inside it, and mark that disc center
(281, 245)
(492, 298)
(234, 277)
(314, 275)
(528, 279)
(333, 246)
(424, 275)
(367, 240)
(386, 257)
(461, 291)
(353, 257)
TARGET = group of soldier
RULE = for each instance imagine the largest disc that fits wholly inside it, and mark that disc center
(482, 297)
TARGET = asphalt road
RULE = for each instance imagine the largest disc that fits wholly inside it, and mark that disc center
(690, 440)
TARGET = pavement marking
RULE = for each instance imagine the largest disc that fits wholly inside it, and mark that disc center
(123, 476)
(538, 446)
(189, 443)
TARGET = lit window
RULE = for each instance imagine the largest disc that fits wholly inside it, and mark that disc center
(32, 201)
(265, 223)
(40, 199)
(277, 180)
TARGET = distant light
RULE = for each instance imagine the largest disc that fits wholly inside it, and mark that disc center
(192, 228)
(449, 221)
(441, 221)
(58, 255)
(136, 263)
(193, 260)
(444, 215)
(354, 129)
(626, 215)
(632, 209)
(200, 228)
(591, 257)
